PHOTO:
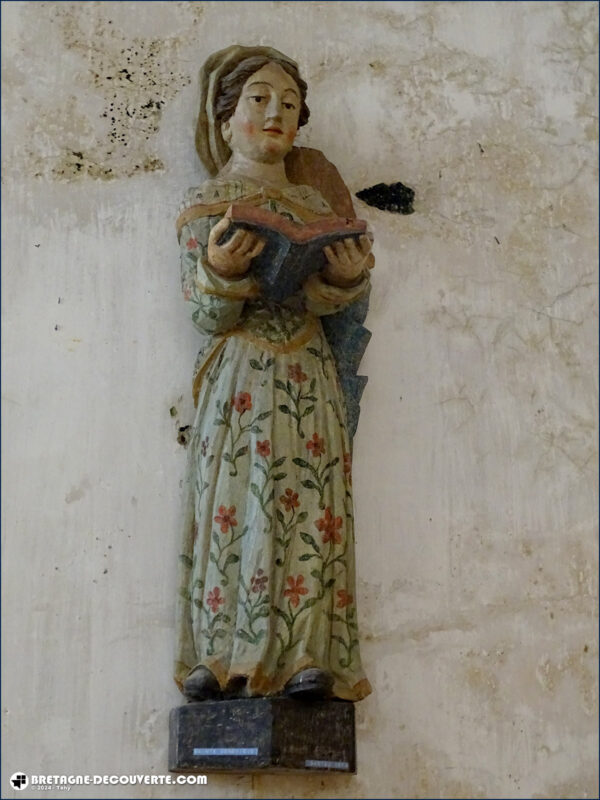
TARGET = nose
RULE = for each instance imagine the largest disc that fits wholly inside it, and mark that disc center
(274, 107)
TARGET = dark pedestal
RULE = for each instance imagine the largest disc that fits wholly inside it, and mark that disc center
(262, 735)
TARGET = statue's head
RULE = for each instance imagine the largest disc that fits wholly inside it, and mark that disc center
(259, 109)
(253, 102)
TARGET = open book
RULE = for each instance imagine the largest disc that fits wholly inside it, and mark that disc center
(292, 251)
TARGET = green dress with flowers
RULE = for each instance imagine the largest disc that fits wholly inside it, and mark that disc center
(267, 564)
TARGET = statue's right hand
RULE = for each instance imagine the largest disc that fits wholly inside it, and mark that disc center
(232, 259)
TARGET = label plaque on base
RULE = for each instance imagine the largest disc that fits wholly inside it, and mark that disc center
(263, 735)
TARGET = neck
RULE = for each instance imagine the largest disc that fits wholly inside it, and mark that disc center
(271, 174)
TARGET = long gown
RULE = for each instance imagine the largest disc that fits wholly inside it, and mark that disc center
(267, 565)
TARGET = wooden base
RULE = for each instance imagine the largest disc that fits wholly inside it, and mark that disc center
(262, 735)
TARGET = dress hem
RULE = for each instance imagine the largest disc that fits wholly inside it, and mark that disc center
(260, 684)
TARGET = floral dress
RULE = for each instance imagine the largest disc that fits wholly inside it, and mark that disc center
(267, 564)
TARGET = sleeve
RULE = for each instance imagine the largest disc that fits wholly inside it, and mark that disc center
(214, 303)
(321, 298)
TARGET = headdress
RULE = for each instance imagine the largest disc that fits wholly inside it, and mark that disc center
(212, 149)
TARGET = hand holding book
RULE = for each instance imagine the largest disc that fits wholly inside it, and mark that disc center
(284, 253)
(346, 261)
(231, 259)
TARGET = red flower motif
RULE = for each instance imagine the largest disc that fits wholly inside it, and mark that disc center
(329, 525)
(289, 499)
(263, 448)
(295, 589)
(187, 294)
(316, 445)
(295, 373)
(226, 518)
(258, 582)
(242, 402)
(191, 244)
(344, 599)
(214, 599)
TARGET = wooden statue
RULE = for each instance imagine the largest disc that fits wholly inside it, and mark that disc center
(268, 599)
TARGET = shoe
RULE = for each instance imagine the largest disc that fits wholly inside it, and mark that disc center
(310, 684)
(201, 684)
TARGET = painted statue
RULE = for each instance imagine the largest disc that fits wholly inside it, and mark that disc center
(267, 600)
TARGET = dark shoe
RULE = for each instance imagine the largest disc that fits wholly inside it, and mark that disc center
(201, 684)
(310, 684)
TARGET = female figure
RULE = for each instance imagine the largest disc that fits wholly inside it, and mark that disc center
(267, 599)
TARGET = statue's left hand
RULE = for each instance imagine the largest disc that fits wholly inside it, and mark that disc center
(347, 260)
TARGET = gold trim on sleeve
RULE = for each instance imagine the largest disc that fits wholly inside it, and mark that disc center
(318, 290)
(231, 294)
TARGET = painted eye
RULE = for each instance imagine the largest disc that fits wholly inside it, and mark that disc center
(257, 98)
(289, 106)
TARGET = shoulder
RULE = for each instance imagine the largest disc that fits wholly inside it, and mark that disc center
(211, 192)
(210, 199)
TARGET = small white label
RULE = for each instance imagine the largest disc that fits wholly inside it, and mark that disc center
(225, 751)
(326, 764)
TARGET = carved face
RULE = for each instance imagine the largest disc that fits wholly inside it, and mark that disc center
(264, 124)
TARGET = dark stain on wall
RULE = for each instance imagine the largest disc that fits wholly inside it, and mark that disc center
(134, 77)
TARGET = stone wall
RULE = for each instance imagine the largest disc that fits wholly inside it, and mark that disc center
(475, 461)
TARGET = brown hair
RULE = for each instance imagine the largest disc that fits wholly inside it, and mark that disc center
(231, 85)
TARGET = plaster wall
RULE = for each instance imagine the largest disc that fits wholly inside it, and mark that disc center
(476, 457)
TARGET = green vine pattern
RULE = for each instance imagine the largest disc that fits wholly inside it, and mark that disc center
(351, 642)
(297, 409)
(321, 475)
(230, 558)
(203, 462)
(265, 493)
(255, 609)
(241, 403)
(287, 642)
(287, 526)
(211, 629)
(328, 561)
(323, 357)
(261, 363)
